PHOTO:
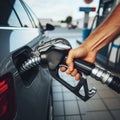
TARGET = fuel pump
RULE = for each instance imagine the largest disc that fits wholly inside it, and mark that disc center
(52, 55)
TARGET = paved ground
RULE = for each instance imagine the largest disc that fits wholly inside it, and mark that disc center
(105, 105)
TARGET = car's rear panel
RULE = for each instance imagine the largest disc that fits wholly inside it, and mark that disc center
(32, 91)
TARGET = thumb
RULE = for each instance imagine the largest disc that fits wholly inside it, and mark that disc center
(70, 62)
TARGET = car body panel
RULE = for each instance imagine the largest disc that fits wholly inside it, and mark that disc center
(32, 101)
(14, 38)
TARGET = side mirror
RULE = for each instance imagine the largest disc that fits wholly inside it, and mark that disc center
(49, 27)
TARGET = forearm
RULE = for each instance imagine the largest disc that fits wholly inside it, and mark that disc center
(105, 33)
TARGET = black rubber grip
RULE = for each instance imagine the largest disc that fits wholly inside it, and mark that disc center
(87, 68)
(115, 84)
(83, 66)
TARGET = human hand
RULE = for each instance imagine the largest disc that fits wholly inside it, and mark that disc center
(81, 52)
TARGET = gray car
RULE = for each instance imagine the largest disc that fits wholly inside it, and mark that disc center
(28, 95)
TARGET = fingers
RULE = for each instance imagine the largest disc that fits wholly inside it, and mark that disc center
(74, 73)
(70, 64)
(63, 69)
(77, 77)
(71, 70)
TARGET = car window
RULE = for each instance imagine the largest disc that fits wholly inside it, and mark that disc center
(32, 15)
(14, 13)
(14, 20)
(19, 16)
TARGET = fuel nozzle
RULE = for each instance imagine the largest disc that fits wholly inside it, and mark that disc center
(48, 54)
(54, 56)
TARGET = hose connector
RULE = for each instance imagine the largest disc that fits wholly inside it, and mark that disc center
(29, 63)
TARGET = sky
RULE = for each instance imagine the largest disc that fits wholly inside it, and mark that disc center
(59, 9)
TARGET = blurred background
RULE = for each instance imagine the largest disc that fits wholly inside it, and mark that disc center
(56, 12)
(83, 16)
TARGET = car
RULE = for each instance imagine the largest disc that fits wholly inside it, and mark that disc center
(23, 96)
